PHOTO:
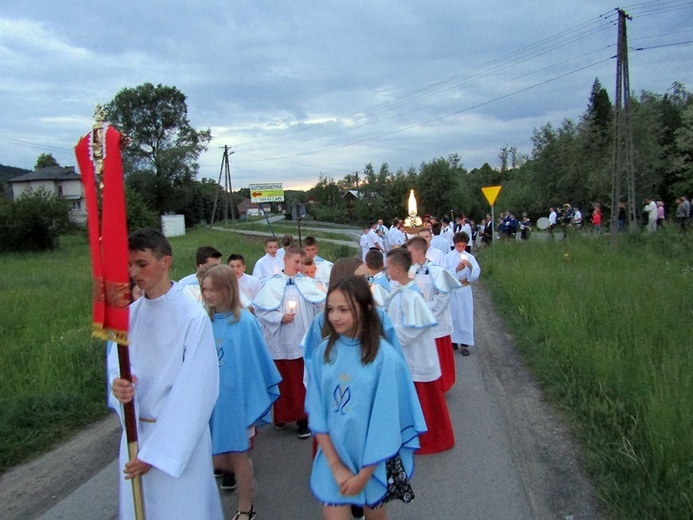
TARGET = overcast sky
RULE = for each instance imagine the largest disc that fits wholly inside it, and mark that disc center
(303, 87)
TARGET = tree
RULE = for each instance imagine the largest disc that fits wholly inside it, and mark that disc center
(684, 159)
(162, 140)
(45, 160)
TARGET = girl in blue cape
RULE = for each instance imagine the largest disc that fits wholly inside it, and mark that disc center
(248, 382)
(363, 410)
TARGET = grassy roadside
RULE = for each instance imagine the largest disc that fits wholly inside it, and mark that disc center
(52, 375)
(607, 332)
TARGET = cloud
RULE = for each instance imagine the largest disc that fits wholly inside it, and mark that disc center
(302, 88)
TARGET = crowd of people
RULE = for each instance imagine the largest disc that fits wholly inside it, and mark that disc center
(357, 354)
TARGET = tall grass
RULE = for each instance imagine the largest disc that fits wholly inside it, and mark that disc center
(52, 374)
(607, 330)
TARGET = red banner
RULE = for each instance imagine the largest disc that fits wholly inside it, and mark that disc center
(98, 155)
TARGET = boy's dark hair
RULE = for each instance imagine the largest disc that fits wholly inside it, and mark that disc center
(235, 256)
(419, 243)
(144, 239)
(309, 241)
(374, 259)
(205, 252)
(271, 239)
(395, 222)
(360, 300)
(308, 261)
(461, 236)
(287, 240)
(445, 219)
(436, 228)
(295, 250)
(401, 257)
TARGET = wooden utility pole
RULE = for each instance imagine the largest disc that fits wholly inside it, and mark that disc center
(225, 170)
(623, 165)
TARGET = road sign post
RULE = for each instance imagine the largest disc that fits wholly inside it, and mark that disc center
(262, 192)
(491, 193)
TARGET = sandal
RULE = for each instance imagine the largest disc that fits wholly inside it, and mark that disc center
(245, 514)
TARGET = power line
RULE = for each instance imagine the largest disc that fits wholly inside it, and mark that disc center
(385, 134)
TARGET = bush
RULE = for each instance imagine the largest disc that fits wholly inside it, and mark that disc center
(33, 222)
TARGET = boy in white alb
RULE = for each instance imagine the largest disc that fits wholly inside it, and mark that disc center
(435, 256)
(205, 256)
(465, 268)
(176, 375)
(323, 267)
(414, 322)
(286, 306)
(248, 285)
(269, 265)
(436, 286)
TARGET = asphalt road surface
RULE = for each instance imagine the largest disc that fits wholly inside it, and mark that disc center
(514, 457)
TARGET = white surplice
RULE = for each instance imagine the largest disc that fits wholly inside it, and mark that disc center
(173, 355)
(414, 322)
(282, 295)
(266, 267)
(462, 300)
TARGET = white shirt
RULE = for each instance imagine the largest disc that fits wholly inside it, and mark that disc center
(266, 267)
(395, 237)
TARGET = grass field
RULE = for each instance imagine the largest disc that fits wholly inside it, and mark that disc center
(52, 374)
(607, 331)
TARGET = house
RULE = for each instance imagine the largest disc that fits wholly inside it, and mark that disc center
(351, 195)
(251, 209)
(62, 181)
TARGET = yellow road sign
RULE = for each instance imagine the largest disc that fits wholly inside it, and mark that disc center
(491, 192)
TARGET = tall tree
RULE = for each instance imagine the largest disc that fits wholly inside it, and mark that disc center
(162, 140)
(45, 160)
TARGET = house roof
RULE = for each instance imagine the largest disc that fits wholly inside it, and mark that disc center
(51, 173)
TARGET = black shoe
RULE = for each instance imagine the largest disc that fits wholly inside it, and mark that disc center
(303, 431)
(455, 346)
(464, 350)
(279, 426)
(218, 473)
(357, 511)
(228, 481)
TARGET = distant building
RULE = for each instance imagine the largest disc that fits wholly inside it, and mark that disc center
(62, 181)
(251, 209)
(351, 195)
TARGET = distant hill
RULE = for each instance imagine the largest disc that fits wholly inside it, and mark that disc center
(7, 173)
(10, 172)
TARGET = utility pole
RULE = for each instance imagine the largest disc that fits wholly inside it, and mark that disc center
(623, 165)
(228, 189)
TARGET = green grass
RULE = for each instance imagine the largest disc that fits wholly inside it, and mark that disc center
(52, 378)
(52, 373)
(607, 331)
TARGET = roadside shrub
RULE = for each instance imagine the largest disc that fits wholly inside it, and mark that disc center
(33, 222)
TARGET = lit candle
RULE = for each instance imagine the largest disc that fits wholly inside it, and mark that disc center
(291, 304)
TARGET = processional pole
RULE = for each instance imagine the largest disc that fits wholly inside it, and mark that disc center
(99, 158)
